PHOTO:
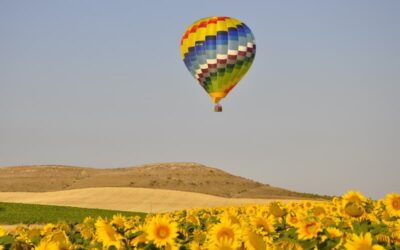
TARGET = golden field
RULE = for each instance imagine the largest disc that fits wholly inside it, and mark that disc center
(115, 198)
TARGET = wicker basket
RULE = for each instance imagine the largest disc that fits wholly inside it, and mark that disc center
(218, 107)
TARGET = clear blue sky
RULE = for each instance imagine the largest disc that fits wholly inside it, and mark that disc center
(102, 84)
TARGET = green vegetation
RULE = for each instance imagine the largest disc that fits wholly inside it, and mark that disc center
(14, 213)
(314, 196)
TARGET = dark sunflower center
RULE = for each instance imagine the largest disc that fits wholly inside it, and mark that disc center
(396, 204)
(162, 232)
(311, 227)
(364, 246)
(225, 233)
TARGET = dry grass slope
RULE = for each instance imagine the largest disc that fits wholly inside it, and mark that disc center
(190, 177)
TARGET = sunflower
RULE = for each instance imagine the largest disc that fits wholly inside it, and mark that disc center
(251, 210)
(254, 241)
(107, 234)
(129, 224)
(193, 219)
(319, 211)
(2, 232)
(287, 245)
(396, 232)
(264, 224)
(362, 242)
(60, 238)
(118, 220)
(292, 219)
(194, 245)
(354, 209)
(48, 228)
(162, 231)
(276, 209)
(333, 209)
(85, 231)
(353, 196)
(198, 235)
(224, 232)
(336, 201)
(334, 232)
(32, 232)
(392, 203)
(308, 205)
(23, 237)
(382, 238)
(308, 229)
(328, 221)
(292, 205)
(141, 238)
(223, 244)
(232, 217)
(47, 245)
(88, 220)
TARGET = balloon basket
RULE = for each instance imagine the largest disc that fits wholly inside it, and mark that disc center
(218, 107)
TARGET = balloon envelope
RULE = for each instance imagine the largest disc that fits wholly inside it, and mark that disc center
(218, 51)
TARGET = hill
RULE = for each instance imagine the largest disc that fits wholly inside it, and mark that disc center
(190, 177)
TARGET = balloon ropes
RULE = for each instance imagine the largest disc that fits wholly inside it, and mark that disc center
(218, 51)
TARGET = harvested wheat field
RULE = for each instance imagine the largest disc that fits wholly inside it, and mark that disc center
(126, 199)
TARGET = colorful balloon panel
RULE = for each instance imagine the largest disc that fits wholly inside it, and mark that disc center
(218, 52)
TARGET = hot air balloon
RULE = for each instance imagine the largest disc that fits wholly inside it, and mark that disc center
(218, 51)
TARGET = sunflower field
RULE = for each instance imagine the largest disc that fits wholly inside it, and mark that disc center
(348, 222)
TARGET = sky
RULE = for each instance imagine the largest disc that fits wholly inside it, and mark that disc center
(102, 84)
